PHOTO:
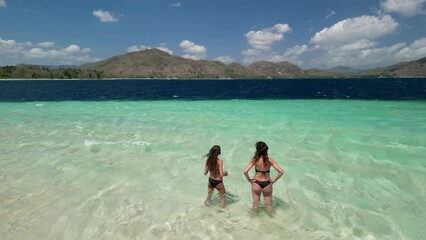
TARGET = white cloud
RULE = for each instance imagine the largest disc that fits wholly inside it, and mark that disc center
(105, 16)
(297, 50)
(273, 57)
(72, 49)
(406, 8)
(175, 4)
(36, 53)
(330, 14)
(86, 50)
(344, 51)
(164, 49)
(137, 48)
(225, 59)
(46, 44)
(414, 51)
(10, 46)
(45, 51)
(251, 52)
(355, 29)
(264, 56)
(292, 55)
(251, 59)
(265, 38)
(294, 59)
(193, 50)
(261, 42)
(3, 3)
(353, 41)
(356, 46)
(143, 47)
(71, 52)
(374, 56)
(190, 56)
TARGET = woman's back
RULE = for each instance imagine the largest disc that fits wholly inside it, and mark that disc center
(262, 182)
(215, 173)
(262, 169)
(214, 166)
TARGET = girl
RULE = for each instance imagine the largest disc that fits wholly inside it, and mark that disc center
(262, 182)
(215, 166)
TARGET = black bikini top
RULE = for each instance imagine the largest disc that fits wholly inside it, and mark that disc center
(264, 172)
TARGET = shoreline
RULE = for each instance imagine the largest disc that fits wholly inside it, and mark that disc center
(189, 79)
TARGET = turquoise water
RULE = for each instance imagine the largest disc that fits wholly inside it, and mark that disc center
(134, 169)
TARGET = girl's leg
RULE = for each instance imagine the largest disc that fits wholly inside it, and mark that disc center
(267, 196)
(209, 195)
(222, 192)
(256, 191)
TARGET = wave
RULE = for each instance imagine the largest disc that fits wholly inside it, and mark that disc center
(90, 143)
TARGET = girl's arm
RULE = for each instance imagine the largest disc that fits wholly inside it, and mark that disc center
(247, 169)
(206, 169)
(221, 172)
(278, 168)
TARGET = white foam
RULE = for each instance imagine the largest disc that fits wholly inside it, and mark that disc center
(89, 143)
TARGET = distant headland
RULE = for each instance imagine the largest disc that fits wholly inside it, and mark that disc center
(156, 64)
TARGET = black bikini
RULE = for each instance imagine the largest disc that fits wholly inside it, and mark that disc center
(264, 172)
(263, 184)
(213, 183)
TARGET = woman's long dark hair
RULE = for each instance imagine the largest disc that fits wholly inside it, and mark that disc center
(212, 157)
(262, 152)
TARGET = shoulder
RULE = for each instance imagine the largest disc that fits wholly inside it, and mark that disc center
(220, 161)
(273, 162)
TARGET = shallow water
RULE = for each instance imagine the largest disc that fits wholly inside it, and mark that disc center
(134, 169)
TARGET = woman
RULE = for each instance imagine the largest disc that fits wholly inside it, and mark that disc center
(262, 182)
(215, 166)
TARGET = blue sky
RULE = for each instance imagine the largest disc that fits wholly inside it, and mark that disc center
(310, 33)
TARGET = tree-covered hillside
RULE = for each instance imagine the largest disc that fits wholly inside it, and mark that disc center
(40, 72)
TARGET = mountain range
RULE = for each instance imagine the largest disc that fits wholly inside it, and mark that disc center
(344, 70)
(154, 63)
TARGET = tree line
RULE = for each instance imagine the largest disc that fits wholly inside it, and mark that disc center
(42, 72)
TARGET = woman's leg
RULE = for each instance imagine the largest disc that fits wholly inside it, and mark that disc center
(256, 191)
(209, 195)
(267, 196)
(221, 188)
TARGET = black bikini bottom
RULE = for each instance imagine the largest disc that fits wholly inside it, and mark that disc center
(213, 183)
(263, 184)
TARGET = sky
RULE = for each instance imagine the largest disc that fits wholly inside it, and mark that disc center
(362, 34)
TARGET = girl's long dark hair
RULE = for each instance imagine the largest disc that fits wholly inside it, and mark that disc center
(212, 157)
(262, 152)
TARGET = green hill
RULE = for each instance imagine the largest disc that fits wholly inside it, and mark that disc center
(415, 68)
(153, 63)
(24, 71)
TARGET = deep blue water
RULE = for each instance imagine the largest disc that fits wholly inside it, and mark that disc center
(95, 90)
